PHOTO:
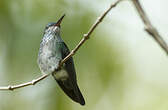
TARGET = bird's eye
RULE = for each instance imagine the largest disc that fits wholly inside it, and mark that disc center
(46, 27)
(49, 25)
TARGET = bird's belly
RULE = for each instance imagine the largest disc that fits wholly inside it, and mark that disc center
(48, 61)
(61, 75)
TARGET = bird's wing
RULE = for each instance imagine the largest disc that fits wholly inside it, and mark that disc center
(70, 86)
(69, 64)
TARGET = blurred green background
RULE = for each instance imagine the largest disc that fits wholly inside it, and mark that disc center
(119, 68)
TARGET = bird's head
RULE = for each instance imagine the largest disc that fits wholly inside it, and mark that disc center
(54, 27)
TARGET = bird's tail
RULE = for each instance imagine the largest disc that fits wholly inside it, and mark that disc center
(80, 97)
(72, 91)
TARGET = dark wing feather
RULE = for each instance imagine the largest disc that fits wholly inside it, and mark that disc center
(70, 86)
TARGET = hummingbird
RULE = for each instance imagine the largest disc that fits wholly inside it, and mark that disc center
(52, 50)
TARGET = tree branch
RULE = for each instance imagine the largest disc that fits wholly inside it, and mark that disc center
(149, 28)
(33, 82)
(85, 37)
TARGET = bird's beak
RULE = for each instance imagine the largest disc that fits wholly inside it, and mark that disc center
(59, 21)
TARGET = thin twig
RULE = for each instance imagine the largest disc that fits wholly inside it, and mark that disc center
(33, 82)
(85, 37)
(149, 27)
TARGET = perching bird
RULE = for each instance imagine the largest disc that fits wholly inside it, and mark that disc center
(52, 51)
